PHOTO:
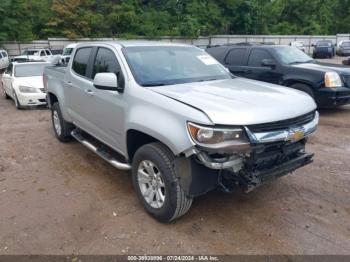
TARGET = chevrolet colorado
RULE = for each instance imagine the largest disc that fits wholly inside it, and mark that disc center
(178, 119)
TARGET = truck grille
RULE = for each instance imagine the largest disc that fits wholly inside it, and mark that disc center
(284, 124)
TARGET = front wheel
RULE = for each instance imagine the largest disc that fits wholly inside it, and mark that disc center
(4, 92)
(61, 127)
(156, 185)
(17, 103)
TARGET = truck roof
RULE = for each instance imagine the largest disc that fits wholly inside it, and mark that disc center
(129, 43)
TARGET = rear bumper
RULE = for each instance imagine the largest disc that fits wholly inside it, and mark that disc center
(332, 97)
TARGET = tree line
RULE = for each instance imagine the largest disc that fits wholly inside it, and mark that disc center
(40, 19)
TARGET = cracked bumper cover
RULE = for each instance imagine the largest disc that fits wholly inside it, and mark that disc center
(271, 155)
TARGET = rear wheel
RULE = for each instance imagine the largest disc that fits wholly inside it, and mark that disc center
(61, 127)
(156, 185)
(303, 87)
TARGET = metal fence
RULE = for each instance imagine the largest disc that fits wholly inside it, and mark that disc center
(15, 48)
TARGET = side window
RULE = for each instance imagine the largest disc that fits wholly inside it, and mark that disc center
(4, 54)
(105, 62)
(42, 53)
(47, 52)
(236, 57)
(81, 59)
(0, 55)
(256, 56)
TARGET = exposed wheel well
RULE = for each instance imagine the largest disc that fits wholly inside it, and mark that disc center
(136, 139)
(291, 82)
(51, 99)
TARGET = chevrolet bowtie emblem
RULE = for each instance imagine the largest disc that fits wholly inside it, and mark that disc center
(295, 134)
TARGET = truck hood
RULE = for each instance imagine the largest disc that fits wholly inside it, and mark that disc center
(240, 101)
(33, 81)
(325, 67)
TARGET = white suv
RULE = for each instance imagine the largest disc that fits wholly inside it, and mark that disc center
(4, 60)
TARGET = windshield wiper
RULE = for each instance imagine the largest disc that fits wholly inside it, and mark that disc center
(301, 62)
(153, 84)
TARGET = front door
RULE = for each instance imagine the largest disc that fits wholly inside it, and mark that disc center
(258, 71)
(106, 109)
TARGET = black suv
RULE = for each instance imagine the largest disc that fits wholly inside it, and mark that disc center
(328, 84)
(323, 49)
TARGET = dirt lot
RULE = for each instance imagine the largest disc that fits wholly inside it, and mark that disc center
(62, 199)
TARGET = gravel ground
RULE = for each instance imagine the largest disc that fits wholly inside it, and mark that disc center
(62, 199)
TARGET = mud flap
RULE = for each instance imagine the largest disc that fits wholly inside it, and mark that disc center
(195, 179)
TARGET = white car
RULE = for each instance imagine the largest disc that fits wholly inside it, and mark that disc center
(4, 60)
(37, 55)
(23, 82)
(299, 45)
(67, 52)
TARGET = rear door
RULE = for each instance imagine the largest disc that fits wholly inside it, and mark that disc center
(76, 86)
(236, 61)
(7, 80)
(257, 71)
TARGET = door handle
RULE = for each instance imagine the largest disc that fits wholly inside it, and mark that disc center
(69, 84)
(89, 92)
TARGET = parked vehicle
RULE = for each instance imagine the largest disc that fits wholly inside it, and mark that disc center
(328, 84)
(299, 45)
(344, 48)
(178, 120)
(23, 82)
(4, 60)
(34, 54)
(323, 49)
(67, 52)
(346, 61)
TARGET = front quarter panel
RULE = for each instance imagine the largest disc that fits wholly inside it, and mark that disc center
(162, 118)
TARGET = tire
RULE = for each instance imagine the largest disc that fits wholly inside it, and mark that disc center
(62, 128)
(305, 88)
(160, 159)
(17, 103)
(4, 92)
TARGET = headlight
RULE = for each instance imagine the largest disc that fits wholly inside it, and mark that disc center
(234, 139)
(332, 79)
(28, 89)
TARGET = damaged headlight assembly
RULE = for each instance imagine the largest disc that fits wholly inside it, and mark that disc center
(221, 148)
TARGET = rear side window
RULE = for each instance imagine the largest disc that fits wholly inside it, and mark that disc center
(256, 57)
(47, 52)
(236, 57)
(80, 61)
(4, 54)
(105, 62)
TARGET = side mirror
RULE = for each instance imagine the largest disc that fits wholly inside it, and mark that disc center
(107, 81)
(268, 63)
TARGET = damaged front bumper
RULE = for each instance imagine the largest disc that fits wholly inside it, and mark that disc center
(272, 154)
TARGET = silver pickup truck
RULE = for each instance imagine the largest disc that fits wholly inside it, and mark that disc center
(175, 117)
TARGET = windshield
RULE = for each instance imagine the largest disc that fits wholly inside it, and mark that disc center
(291, 55)
(167, 65)
(324, 44)
(30, 52)
(29, 70)
(345, 44)
(67, 51)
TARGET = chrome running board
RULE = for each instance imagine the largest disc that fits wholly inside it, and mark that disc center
(100, 151)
